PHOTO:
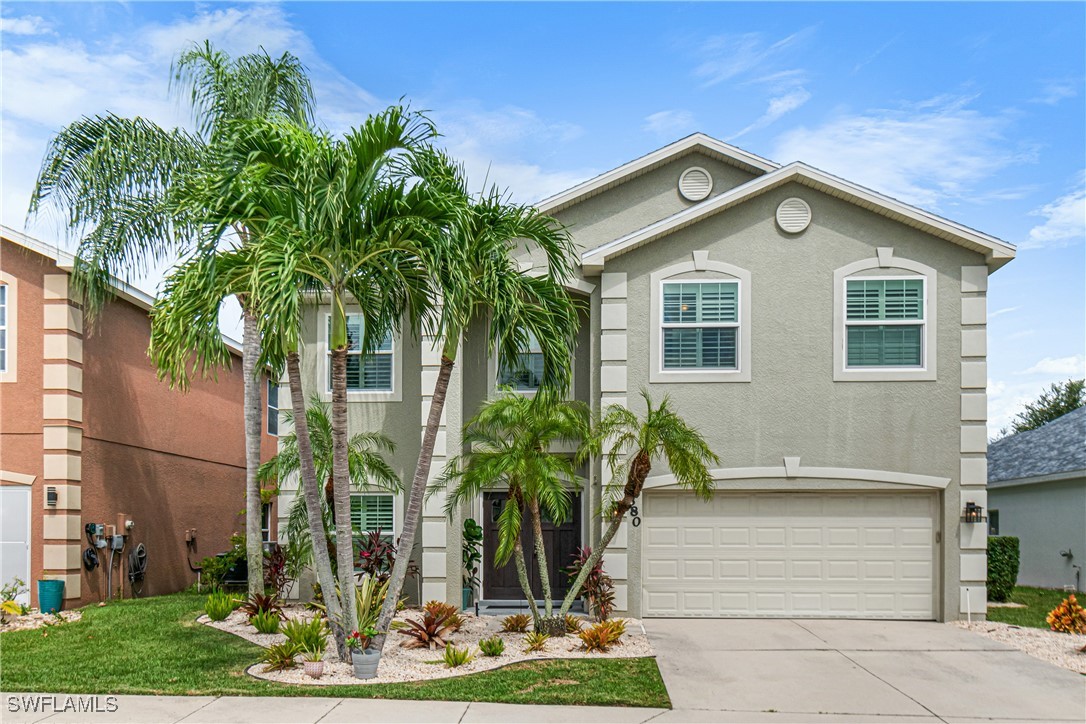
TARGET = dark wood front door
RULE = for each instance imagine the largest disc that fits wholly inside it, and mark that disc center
(560, 540)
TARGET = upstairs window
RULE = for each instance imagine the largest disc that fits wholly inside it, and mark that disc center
(273, 408)
(371, 372)
(700, 325)
(3, 327)
(528, 373)
(884, 322)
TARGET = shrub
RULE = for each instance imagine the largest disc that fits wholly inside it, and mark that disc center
(440, 608)
(368, 600)
(493, 646)
(311, 634)
(598, 590)
(219, 605)
(536, 641)
(376, 555)
(517, 623)
(1068, 617)
(277, 575)
(279, 657)
(432, 632)
(266, 622)
(261, 603)
(603, 635)
(1002, 566)
(454, 657)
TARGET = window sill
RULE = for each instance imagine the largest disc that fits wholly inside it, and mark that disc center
(698, 376)
(888, 374)
(368, 396)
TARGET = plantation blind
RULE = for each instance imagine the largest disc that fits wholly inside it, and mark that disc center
(372, 371)
(372, 512)
(884, 322)
(700, 326)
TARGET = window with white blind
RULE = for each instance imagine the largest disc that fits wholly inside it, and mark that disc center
(528, 373)
(884, 322)
(373, 511)
(700, 325)
(3, 327)
(365, 372)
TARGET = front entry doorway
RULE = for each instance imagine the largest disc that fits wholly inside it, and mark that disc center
(561, 542)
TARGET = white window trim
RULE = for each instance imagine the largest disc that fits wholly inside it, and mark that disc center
(713, 271)
(393, 395)
(10, 372)
(893, 266)
(278, 416)
(736, 325)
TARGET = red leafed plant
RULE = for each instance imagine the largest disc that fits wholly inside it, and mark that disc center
(376, 556)
(598, 589)
(261, 603)
(440, 608)
(1068, 617)
(433, 632)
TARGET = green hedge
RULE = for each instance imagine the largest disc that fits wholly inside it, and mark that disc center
(1002, 566)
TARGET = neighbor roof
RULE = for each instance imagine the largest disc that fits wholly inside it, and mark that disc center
(996, 251)
(1056, 448)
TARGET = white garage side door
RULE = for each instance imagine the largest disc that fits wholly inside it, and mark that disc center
(15, 537)
(789, 555)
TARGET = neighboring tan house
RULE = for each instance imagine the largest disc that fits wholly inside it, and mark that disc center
(828, 341)
(89, 435)
(1037, 492)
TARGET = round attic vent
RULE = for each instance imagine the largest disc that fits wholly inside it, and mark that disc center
(695, 184)
(793, 215)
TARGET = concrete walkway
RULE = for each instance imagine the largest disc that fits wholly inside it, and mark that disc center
(745, 670)
(308, 710)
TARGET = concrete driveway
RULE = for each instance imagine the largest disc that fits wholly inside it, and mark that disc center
(747, 670)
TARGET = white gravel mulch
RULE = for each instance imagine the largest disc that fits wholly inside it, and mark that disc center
(37, 620)
(399, 664)
(1061, 649)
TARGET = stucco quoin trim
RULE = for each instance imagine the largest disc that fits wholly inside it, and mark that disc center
(699, 263)
(885, 260)
(792, 469)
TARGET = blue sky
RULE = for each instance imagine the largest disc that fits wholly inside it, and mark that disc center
(973, 111)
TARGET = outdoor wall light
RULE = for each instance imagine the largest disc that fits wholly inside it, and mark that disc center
(51, 496)
(973, 513)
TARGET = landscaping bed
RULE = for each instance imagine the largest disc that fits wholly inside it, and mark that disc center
(400, 664)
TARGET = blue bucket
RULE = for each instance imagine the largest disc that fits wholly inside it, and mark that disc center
(50, 596)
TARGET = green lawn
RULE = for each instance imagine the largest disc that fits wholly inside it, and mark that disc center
(1038, 601)
(155, 646)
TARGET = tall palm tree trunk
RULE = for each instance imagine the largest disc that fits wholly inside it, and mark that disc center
(254, 544)
(522, 577)
(541, 556)
(413, 514)
(342, 491)
(311, 493)
(635, 482)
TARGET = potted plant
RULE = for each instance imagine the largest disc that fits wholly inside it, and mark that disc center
(313, 663)
(364, 658)
(472, 555)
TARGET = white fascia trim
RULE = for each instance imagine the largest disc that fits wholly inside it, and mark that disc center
(798, 471)
(996, 251)
(575, 285)
(718, 149)
(66, 262)
(1038, 479)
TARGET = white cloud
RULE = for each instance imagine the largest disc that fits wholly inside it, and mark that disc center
(778, 107)
(726, 57)
(1064, 222)
(670, 124)
(924, 154)
(1074, 366)
(1001, 312)
(1054, 91)
(25, 25)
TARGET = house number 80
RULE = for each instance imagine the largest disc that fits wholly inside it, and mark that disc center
(634, 519)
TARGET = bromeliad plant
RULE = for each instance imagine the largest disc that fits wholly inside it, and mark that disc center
(603, 635)
(265, 622)
(493, 646)
(259, 603)
(311, 634)
(219, 605)
(536, 641)
(446, 610)
(360, 640)
(432, 632)
(516, 623)
(455, 657)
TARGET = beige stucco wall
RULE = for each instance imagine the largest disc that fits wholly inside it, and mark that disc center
(792, 406)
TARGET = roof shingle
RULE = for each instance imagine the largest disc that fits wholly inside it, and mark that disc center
(1057, 447)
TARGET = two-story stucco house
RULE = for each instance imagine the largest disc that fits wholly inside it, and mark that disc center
(828, 341)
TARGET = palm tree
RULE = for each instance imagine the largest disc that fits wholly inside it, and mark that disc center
(344, 216)
(475, 267)
(112, 179)
(368, 468)
(661, 433)
(509, 443)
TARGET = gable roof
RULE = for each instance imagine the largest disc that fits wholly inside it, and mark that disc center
(66, 261)
(694, 143)
(1056, 448)
(996, 251)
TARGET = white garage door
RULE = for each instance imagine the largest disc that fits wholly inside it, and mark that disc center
(789, 554)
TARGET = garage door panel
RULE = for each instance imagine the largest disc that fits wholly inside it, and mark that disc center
(817, 554)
